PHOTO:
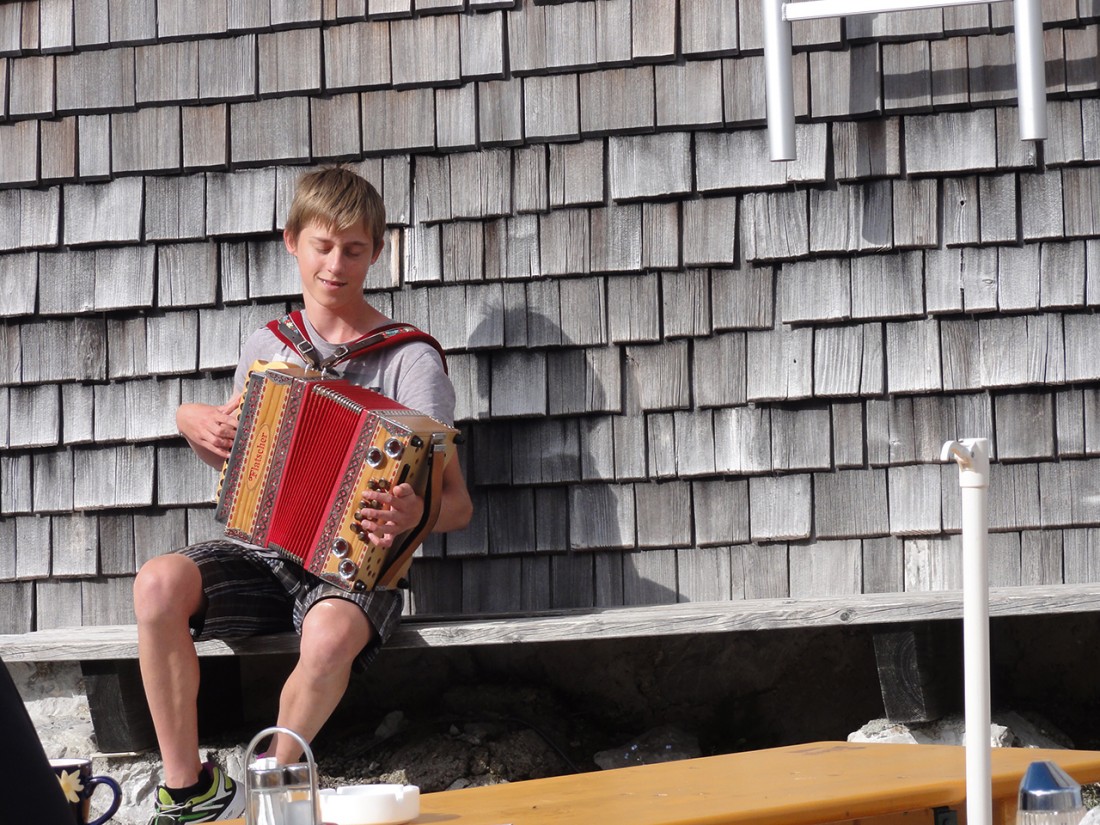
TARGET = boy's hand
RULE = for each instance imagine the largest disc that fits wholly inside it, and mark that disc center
(389, 514)
(209, 429)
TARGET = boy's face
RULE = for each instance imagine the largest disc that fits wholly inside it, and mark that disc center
(333, 264)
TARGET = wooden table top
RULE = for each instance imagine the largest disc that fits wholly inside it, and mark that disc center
(796, 785)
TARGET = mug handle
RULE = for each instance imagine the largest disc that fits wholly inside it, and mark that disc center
(115, 789)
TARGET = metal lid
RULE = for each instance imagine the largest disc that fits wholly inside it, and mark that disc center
(1046, 787)
(265, 773)
(298, 774)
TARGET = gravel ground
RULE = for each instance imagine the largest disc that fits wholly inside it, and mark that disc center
(477, 736)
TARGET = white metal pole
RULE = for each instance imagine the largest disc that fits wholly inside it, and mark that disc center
(1031, 78)
(972, 456)
(779, 91)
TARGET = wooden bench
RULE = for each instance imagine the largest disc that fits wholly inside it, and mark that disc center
(108, 653)
(814, 784)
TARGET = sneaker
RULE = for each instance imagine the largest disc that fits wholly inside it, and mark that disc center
(223, 800)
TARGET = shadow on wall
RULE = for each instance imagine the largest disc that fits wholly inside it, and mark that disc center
(553, 528)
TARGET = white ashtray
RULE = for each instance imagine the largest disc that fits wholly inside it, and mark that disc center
(370, 804)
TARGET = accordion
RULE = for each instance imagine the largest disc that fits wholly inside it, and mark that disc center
(308, 453)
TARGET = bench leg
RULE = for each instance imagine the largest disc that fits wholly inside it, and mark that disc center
(919, 669)
(120, 714)
(116, 700)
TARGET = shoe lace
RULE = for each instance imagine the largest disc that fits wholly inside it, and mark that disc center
(167, 814)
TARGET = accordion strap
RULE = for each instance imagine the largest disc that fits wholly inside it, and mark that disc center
(398, 567)
(290, 329)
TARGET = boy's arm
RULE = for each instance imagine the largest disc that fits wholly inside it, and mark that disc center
(209, 430)
(456, 508)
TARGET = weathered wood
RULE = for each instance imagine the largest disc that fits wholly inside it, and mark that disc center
(919, 667)
(425, 50)
(997, 198)
(456, 117)
(801, 439)
(120, 642)
(914, 494)
(992, 68)
(742, 440)
(866, 148)
(709, 231)
(818, 290)
(851, 218)
(719, 370)
(704, 574)
(951, 142)
(357, 55)
(766, 571)
(780, 507)
(500, 111)
(845, 83)
(906, 75)
(848, 360)
(913, 356)
(649, 166)
(635, 309)
(658, 376)
(721, 511)
(577, 175)
(784, 363)
(1041, 206)
(825, 568)
(616, 237)
(551, 107)
(686, 299)
(850, 504)
(848, 438)
(617, 100)
(774, 226)
(116, 698)
(689, 94)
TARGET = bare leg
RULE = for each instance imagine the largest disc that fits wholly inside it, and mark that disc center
(167, 592)
(333, 634)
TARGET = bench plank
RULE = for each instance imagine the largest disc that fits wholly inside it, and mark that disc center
(120, 641)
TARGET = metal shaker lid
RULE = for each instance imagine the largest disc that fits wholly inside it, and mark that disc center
(265, 774)
(297, 774)
(1046, 787)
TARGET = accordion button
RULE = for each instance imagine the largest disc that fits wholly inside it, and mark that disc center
(340, 548)
(393, 447)
(375, 457)
(348, 569)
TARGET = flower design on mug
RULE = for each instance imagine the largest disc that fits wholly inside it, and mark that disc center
(71, 784)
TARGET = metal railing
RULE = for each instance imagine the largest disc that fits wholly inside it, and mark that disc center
(778, 15)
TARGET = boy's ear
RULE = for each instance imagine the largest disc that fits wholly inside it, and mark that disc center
(290, 240)
(377, 251)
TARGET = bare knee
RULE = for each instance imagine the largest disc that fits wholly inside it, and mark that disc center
(167, 588)
(334, 632)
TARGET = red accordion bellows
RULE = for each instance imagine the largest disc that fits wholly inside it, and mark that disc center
(308, 454)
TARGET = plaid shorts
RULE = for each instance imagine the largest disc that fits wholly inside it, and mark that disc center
(249, 593)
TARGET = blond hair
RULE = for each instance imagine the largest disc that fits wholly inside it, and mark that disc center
(337, 199)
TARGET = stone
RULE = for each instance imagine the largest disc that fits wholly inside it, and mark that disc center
(1007, 730)
(666, 743)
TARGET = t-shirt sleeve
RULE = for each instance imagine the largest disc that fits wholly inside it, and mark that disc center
(260, 344)
(422, 383)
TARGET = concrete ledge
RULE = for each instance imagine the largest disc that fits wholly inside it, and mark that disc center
(120, 641)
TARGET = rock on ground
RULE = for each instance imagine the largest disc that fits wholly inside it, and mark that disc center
(1008, 730)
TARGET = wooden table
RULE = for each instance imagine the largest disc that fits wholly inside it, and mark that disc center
(813, 784)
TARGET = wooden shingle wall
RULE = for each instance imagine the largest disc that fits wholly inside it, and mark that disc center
(686, 373)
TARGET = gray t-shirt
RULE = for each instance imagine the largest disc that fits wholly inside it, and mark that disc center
(411, 374)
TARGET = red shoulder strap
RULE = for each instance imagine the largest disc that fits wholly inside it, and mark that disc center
(291, 331)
